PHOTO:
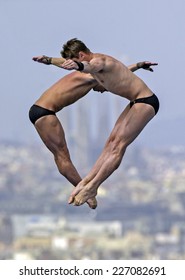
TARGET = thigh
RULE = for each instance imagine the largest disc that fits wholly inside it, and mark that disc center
(132, 121)
(117, 124)
(51, 132)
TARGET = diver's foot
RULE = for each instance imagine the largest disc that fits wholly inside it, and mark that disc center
(85, 195)
(89, 199)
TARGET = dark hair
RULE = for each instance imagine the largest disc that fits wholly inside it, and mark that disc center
(72, 48)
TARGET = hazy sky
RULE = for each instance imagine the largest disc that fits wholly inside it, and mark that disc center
(130, 30)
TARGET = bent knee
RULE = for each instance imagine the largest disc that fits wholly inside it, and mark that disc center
(36, 112)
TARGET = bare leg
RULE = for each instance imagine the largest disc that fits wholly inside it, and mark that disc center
(128, 126)
(105, 153)
(52, 134)
(100, 161)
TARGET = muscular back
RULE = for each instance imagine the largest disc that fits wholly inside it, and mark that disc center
(66, 91)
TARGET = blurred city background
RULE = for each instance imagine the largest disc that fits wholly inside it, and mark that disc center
(141, 207)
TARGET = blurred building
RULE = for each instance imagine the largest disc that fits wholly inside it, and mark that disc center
(6, 229)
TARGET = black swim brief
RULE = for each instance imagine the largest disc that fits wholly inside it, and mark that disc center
(151, 100)
(36, 112)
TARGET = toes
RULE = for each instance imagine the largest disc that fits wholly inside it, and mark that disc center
(79, 200)
(76, 202)
(91, 202)
(71, 199)
(82, 197)
(73, 194)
